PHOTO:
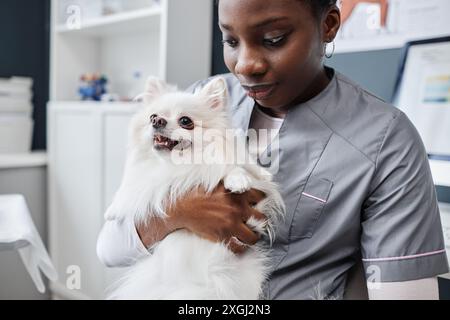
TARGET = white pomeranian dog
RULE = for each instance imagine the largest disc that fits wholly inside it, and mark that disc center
(178, 142)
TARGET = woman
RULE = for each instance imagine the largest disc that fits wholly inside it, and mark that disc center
(352, 169)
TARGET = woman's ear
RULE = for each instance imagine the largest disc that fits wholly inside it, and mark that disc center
(216, 93)
(331, 24)
(154, 88)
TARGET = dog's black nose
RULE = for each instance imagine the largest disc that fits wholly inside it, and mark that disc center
(159, 122)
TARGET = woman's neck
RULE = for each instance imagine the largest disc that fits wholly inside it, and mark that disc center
(274, 113)
(319, 84)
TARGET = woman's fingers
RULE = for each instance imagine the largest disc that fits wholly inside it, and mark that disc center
(253, 213)
(243, 238)
(237, 246)
(238, 235)
(246, 235)
(254, 196)
(256, 214)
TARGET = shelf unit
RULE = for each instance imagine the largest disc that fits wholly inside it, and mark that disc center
(146, 19)
(171, 40)
(407, 20)
(382, 42)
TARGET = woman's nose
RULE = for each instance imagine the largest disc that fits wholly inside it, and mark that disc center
(249, 63)
(159, 122)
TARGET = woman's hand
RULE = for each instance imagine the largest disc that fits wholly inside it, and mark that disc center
(218, 216)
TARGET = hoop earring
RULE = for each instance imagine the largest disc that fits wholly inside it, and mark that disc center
(329, 55)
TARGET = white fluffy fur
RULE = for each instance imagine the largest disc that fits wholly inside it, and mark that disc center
(184, 266)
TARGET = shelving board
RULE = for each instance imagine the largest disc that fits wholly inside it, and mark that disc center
(116, 24)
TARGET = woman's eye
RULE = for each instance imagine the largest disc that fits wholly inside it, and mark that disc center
(230, 42)
(186, 123)
(274, 41)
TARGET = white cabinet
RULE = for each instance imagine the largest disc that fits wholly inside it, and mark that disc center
(86, 149)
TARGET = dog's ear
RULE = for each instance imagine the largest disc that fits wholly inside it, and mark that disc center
(216, 93)
(154, 88)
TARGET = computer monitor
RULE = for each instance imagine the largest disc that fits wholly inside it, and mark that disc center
(422, 91)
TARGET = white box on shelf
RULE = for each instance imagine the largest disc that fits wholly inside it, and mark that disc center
(18, 107)
(16, 125)
(20, 81)
(16, 87)
(15, 134)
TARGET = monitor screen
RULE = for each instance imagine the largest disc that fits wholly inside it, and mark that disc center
(423, 93)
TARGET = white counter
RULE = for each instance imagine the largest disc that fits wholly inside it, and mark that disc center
(24, 160)
(24, 174)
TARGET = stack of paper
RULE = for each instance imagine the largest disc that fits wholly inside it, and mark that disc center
(16, 123)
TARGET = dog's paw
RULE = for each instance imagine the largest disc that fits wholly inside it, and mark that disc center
(237, 182)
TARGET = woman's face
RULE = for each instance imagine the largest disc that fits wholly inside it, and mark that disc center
(274, 48)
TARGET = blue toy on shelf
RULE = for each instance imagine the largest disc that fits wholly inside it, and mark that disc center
(93, 87)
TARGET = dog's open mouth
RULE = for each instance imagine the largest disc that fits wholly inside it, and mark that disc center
(161, 142)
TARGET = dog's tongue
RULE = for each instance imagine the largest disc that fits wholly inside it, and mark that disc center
(162, 141)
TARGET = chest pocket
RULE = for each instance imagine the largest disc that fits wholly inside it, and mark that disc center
(310, 206)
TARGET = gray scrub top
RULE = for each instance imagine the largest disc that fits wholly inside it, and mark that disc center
(355, 178)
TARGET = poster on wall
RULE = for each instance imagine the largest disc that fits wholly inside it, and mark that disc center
(423, 93)
(384, 24)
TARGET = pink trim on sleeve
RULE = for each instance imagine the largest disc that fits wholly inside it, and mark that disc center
(405, 257)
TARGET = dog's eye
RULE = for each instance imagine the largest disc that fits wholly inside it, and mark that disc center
(186, 123)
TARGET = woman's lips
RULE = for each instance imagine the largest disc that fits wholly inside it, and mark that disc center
(259, 92)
